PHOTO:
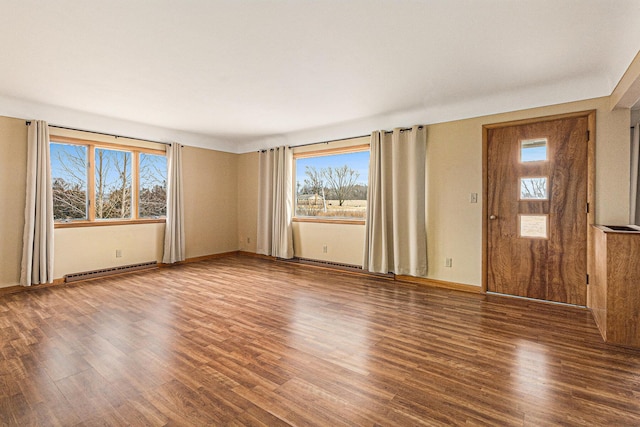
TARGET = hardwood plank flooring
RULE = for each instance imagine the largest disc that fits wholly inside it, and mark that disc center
(246, 341)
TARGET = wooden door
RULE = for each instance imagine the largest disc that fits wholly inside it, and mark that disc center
(537, 176)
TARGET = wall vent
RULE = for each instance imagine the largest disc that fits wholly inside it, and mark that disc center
(109, 271)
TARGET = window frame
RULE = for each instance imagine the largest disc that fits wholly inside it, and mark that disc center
(345, 149)
(91, 220)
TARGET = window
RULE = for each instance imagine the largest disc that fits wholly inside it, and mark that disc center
(69, 181)
(533, 150)
(95, 182)
(332, 184)
(152, 198)
(112, 184)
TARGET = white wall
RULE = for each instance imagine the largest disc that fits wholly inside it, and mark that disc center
(92, 248)
(219, 220)
(454, 171)
(344, 242)
(454, 225)
(210, 222)
(210, 201)
(13, 177)
(210, 184)
(247, 191)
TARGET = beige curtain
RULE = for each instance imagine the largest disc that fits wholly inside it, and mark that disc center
(396, 236)
(174, 242)
(634, 195)
(37, 242)
(275, 195)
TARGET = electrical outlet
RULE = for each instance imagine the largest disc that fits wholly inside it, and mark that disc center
(118, 253)
(448, 262)
(473, 198)
(324, 249)
(248, 239)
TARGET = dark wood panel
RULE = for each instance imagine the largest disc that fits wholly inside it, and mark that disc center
(615, 292)
(247, 341)
(598, 286)
(552, 268)
(623, 296)
(567, 257)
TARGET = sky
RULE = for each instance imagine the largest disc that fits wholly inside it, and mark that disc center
(358, 161)
(156, 163)
(534, 153)
(58, 152)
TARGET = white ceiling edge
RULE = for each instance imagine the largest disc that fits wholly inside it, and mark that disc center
(503, 102)
(65, 117)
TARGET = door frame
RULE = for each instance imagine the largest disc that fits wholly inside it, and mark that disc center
(591, 184)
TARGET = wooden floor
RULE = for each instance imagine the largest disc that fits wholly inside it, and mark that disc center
(244, 341)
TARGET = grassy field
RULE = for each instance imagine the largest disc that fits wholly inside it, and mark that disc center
(349, 209)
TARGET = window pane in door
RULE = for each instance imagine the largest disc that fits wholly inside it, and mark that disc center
(533, 150)
(533, 189)
(534, 226)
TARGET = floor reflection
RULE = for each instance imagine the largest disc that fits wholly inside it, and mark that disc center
(531, 370)
(330, 332)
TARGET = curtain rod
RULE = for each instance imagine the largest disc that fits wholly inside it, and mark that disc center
(327, 142)
(28, 122)
(340, 139)
(352, 137)
(316, 143)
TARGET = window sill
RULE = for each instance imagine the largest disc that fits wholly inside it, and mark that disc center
(77, 224)
(329, 221)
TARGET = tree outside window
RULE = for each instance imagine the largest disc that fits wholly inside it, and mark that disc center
(153, 186)
(69, 181)
(332, 186)
(116, 174)
(112, 184)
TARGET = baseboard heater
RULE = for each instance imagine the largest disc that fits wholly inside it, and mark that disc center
(340, 266)
(327, 263)
(109, 271)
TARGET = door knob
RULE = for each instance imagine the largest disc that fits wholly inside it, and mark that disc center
(492, 217)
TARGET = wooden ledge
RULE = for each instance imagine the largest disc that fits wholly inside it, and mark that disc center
(321, 220)
(107, 222)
